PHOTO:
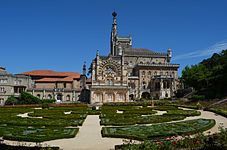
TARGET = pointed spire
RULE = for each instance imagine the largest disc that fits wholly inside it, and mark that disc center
(84, 68)
(113, 34)
(114, 14)
(97, 53)
(169, 54)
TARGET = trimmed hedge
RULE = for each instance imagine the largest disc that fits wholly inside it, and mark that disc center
(143, 132)
(34, 134)
(51, 126)
(222, 112)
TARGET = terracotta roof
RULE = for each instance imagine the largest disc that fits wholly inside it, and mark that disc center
(52, 73)
(53, 76)
(67, 79)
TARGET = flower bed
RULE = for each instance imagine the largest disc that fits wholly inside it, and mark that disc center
(216, 141)
(143, 132)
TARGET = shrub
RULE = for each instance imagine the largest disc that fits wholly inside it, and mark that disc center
(198, 97)
(49, 101)
(27, 98)
(151, 132)
(45, 105)
(11, 100)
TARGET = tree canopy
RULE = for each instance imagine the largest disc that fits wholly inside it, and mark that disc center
(209, 77)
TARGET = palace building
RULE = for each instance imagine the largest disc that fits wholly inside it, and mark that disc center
(11, 84)
(61, 86)
(129, 73)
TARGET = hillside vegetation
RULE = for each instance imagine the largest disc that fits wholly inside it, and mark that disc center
(209, 77)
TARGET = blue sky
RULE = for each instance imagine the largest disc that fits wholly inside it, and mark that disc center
(61, 34)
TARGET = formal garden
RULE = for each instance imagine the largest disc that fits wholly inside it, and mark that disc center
(156, 124)
(38, 125)
(162, 131)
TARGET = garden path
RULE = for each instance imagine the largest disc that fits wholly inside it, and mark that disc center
(220, 121)
(89, 137)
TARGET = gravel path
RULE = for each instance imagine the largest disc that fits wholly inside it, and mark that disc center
(89, 137)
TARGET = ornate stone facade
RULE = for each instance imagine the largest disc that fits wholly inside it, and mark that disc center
(131, 73)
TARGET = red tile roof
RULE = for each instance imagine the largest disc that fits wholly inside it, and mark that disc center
(58, 76)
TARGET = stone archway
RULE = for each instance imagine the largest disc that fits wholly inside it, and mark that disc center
(59, 97)
(131, 96)
(146, 95)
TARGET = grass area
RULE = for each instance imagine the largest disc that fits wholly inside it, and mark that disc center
(54, 123)
(144, 132)
(131, 115)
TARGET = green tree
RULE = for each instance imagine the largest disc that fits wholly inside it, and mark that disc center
(27, 98)
(11, 100)
(209, 76)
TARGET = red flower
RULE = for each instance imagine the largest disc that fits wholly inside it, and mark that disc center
(174, 142)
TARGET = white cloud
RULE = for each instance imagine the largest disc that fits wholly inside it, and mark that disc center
(216, 48)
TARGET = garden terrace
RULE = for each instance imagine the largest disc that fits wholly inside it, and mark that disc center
(144, 132)
(53, 123)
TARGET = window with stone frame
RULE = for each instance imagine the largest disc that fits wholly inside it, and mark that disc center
(149, 73)
(2, 89)
(144, 84)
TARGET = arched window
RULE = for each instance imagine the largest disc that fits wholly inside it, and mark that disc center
(149, 73)
(168, 85)
(164, 84)
(68, 98)
(109, 97)
(59, 97)
(38, 95)
(109, 81)
(143, 73)
(144, 85)
(157, 86)
(49, 96)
